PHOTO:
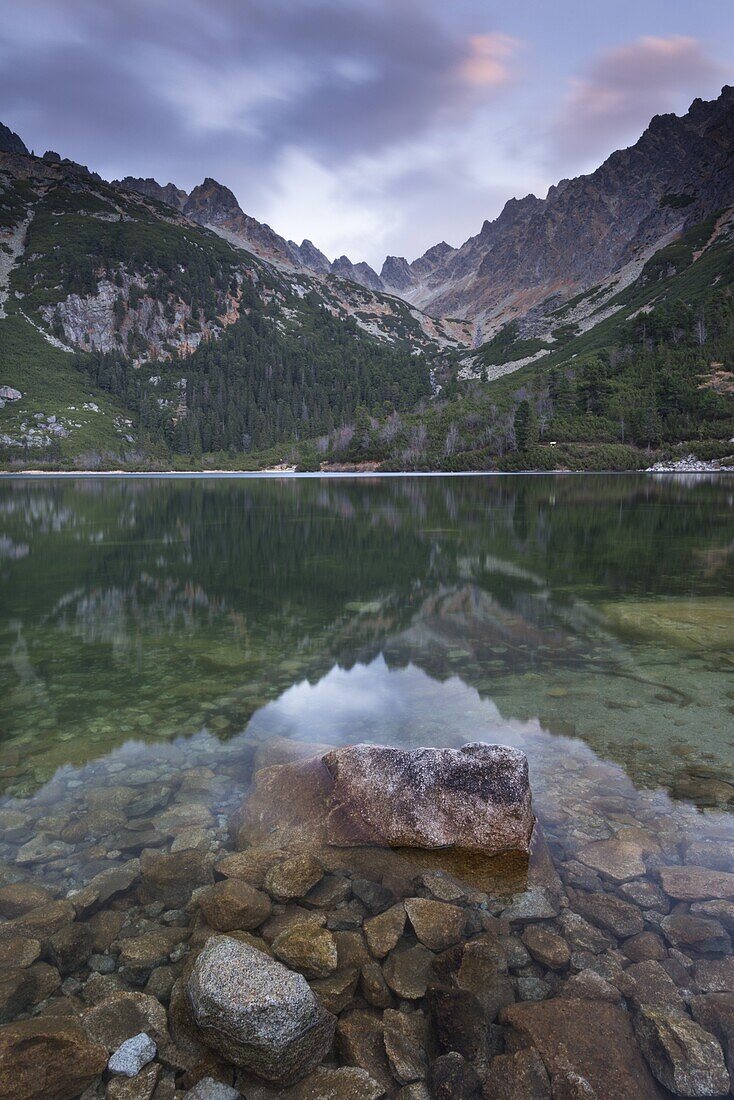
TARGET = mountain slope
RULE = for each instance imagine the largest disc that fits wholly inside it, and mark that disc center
(654, 375)
(134, 300)
(677, 174)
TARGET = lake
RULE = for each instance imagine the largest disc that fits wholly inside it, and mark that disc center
(163, 638)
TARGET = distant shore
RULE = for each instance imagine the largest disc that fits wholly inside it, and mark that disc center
(344, 471)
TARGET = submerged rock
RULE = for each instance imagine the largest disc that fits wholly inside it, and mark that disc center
(475, 798)
(49, 1058)
(590, 1040)
(685, 1058)
(132, 1055)
(256, 1012)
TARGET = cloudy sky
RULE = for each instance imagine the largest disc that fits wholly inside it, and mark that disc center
(370, 126)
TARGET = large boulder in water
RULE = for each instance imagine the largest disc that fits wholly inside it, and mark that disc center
(476, 798)
(256, 1012)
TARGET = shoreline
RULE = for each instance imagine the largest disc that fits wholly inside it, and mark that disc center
(275, 472)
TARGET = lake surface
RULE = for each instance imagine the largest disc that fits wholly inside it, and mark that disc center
(155, 633)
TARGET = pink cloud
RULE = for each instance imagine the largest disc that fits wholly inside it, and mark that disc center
(486, 62)
(615, 99)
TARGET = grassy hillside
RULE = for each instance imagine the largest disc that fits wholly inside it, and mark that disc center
(53, 386)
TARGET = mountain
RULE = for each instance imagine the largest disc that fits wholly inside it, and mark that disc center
(10, 142)
(213, 205)
(140, 323)
(540, 252)
(136, 320)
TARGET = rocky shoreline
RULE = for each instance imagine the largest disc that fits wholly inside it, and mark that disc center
(689, 465)
(134, 899)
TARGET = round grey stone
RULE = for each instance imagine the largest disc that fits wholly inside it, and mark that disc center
(256, 1012)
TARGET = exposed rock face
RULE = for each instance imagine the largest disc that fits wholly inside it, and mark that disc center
(167, 193)
(396, 274)
(10, 142)
(256, 1012)
(213, 205)
(308, 255)
(359, 273)
(476, 798)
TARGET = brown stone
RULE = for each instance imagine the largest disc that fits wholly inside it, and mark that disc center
(610, 913)
(715, 1013)
(105, 927)
(587, 985)
(234, 904)
(696, 883)
(18, 898)
(294, 877)
(140, 1087)
(518, 1076)
(373, 986)
(308, 948)
(458, 1020)
(289, 918)
(647, 983)
(123, 1015)
(683, 1056)
(617, 859)
(405, 1038)
(437, 924)
(274, 818)
(408, 970)
(252, 865)
(336, 992)
(39, 923)
(19, 951)
(70, 947)
(17, 992)
(546, 947)
(47, 1059)
(172, 878)
(140, 954)
(645, 945)
(715, 975)
(351, 950)
(483, 972)
(105, 885)
(453, 1078)
(331, 1083)
(383, 931)
(723, 911)
(591, 1039)
(360, 1043)
(703, 934)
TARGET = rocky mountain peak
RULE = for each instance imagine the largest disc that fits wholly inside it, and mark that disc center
(396, 273)
(212, 202)
(167, 193)
(10, 142)
(309, 256)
